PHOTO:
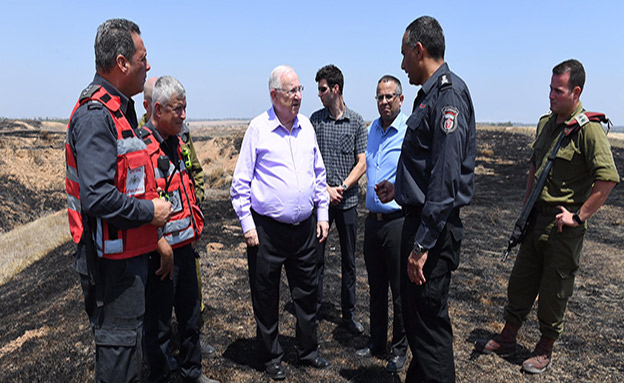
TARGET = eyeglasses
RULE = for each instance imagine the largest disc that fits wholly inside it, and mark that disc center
(322, 89)
(387, 97)
(292, 91)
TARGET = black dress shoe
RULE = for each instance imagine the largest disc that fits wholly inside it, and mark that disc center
(366, 351)
(204, 379)
(369, 350)
(396, 363)
(318, 363)
(276, 371)
(353, 326)
(207, 351)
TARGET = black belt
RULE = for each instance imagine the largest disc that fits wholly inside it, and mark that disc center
(545, 209)
(386, 216)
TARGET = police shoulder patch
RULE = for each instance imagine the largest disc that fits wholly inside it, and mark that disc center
(449, 119)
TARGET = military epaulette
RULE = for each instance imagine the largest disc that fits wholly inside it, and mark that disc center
(185, 133)
(585, 118)
(89, 92)
(547, 114)
(94, 104)
(445, 81)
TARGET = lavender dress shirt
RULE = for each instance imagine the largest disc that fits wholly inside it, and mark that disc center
(279, 174)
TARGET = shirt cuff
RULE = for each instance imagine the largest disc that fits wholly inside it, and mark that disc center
(248, 223)
(426, 237)
(322, 215)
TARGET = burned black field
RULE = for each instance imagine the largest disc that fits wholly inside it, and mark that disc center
(45, 336)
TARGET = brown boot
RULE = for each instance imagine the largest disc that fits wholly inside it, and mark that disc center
(541, 357)
(503, 344)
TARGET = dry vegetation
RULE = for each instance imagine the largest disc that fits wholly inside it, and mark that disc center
(45, 336)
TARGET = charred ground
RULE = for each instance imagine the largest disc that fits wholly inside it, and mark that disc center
(45, 336)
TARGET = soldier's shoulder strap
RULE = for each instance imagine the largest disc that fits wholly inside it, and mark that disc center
(585, 118)
(445, 81)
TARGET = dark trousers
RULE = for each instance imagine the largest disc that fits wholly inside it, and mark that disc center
(425, 307)
(161, 297)
(346, 224)
(382, 254)
(294, 247)
(118, 324)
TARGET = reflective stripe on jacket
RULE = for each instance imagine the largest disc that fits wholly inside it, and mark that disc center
(187, 221)
(134, 176)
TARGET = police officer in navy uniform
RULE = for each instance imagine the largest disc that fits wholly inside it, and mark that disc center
(435, 177)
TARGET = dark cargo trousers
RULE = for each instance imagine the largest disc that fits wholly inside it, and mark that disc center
(425, 307)
(546, 265)
(118, 324)
(161, 297)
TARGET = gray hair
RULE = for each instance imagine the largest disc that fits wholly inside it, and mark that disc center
(275, 81)
(165, 88)
(391, 78)
(114, 37)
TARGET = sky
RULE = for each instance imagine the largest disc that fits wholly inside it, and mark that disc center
(223, 51)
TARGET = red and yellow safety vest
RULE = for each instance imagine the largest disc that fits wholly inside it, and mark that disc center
(187, 221)
(134, 177)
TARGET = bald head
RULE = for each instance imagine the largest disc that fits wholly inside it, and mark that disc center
(148, 90)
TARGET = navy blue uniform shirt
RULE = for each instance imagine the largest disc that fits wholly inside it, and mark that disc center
(436, 166)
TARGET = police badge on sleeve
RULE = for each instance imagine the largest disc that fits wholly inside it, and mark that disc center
(449, 119)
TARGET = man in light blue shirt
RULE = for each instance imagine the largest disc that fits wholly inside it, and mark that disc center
(382, 234)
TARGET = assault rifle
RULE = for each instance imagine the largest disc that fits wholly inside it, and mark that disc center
(573, 126)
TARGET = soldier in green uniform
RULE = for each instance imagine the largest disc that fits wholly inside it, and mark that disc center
(582, 176)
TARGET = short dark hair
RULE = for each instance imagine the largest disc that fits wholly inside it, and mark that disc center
(114, 37)
(428, 31)
(576, 70)
(332, 75)
(388, 78)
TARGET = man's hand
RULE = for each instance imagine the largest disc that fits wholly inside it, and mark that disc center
(385, 191)
(335, 194)
(162, 212)
(564, 219)
(415, 264)
(166, 259)
(322, 228)
(251, 238)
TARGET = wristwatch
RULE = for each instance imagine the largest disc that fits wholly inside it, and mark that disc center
(344, 187)
(577, 219)
(418, 248)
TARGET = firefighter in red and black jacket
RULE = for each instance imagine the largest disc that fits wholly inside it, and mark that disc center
(113, 206)
(176, 184)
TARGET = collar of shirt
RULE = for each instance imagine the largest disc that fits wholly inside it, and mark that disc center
(578, 110)
(155, 133)
(169, 145)
(398, 120)
(346, 115)
(275, 123)
(127, 104)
